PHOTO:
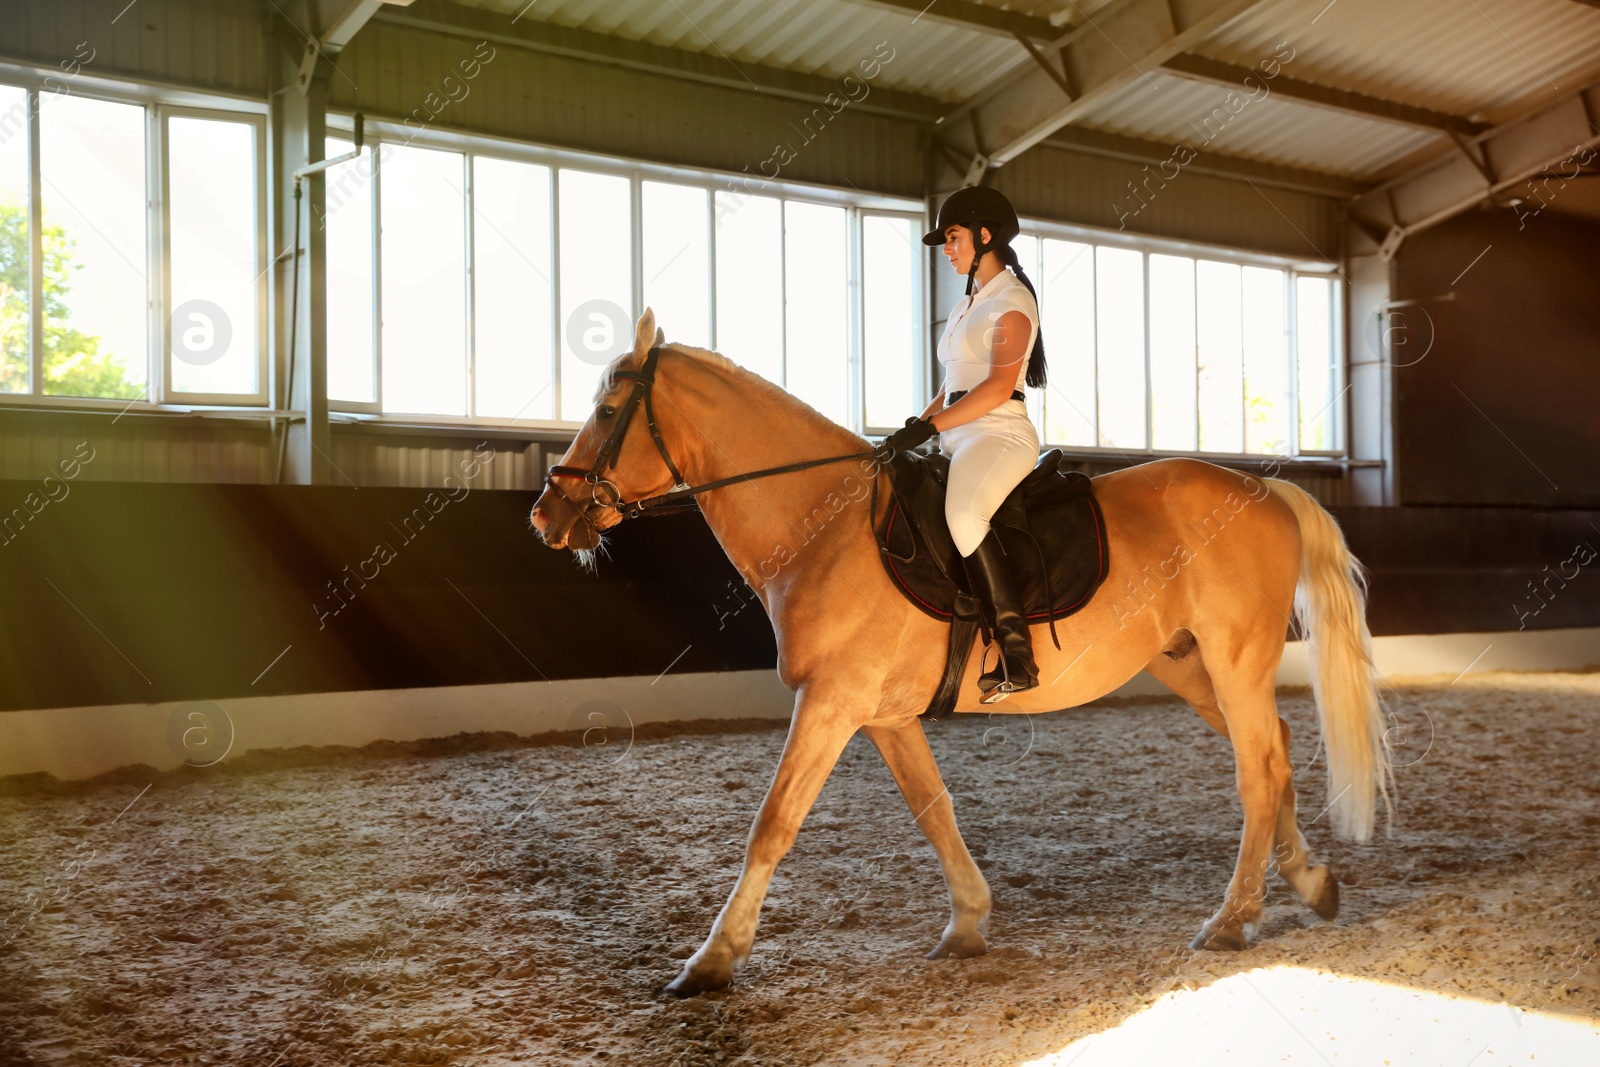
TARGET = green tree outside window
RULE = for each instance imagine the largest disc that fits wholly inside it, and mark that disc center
(74, 364)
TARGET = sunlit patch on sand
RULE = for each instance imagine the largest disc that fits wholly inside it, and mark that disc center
(1292, 1015)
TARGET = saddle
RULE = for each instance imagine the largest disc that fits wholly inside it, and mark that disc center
(1050, 527)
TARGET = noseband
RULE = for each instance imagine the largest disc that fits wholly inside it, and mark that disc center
(682, 496)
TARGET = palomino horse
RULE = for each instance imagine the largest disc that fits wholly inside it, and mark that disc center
(1207, 566)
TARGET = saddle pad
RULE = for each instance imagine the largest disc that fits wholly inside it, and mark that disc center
(1050, 526)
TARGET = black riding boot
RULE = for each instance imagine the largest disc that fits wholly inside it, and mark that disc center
(995, 585)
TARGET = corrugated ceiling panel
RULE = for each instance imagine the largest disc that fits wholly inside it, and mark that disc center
(1487, 59)
(1170, 109)
(827, 37)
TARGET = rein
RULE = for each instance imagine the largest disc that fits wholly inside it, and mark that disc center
(682, 495)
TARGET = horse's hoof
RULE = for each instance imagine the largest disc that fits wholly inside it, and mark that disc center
(696, 980)
(960, 946)
(1218, 939)
(1325, 901)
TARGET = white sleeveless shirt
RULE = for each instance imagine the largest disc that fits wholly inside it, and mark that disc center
(966, 347)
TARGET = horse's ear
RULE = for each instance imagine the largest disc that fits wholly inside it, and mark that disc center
(645, 331)
(661, 337)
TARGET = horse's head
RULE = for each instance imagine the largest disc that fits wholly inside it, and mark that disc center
(615, 446)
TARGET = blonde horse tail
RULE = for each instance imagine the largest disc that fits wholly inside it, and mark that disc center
(1330, 600)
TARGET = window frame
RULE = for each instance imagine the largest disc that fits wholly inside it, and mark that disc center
(1293, 268)
(858, 206)
(923, 380)
(159, 161)
(160, 103)
(375, 259)
(37, 81)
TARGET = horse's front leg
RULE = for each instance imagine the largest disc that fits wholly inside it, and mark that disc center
(820, 729)
(905, 750)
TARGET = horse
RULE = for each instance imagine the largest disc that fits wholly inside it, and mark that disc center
(1208, 617)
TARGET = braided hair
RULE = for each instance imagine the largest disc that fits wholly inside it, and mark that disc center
(1038, 373)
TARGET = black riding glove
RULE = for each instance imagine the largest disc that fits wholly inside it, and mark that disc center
(915, 432)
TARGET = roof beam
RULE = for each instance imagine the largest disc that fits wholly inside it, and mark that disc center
(1118, 47)
(340, 19)
(1199, 68)
(1563, 135)
(707, 68)
(1137, 150)
(972, 16)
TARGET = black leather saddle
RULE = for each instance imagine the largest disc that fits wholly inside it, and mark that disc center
(1050, 527)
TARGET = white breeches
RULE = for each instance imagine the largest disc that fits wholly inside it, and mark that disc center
(989, 456)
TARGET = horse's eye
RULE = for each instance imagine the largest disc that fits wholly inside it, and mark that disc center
(606, 411)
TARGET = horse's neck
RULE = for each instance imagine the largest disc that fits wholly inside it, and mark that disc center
(777, 528)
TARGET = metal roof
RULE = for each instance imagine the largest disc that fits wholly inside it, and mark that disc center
(937, 59)
(1484, 60)
(1270, 129)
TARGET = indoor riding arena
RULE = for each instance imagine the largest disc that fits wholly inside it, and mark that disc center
(970, 533)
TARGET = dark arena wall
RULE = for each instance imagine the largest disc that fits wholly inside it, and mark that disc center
(1499, 349)
(386, 588)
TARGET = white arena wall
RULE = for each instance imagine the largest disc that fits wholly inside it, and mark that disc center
(78, 743)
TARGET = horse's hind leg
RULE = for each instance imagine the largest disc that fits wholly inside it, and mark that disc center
(1315, 886)
(905, 750)
(1262, 772)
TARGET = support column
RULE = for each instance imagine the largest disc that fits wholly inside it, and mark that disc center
(1379, 335)
(297, 114)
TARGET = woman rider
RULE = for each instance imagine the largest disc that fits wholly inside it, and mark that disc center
(991, 346)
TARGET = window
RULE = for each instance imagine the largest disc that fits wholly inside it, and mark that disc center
(144, 252)
(1174, 381)
(352, 305)
(1315, 362)
(212, 258)
(1154, 351)
(466, 278)
(596, 282)
(401, 300)
(422, 209)
(16, 240)
(816, 347)
(473, 278)
(750, 282)
(512, 311)
(1067, 321)
(502, 279)
(1119, 345)
(95, 247)
(890, 261)
(677, 259)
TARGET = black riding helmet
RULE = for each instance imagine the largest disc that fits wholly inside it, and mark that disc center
(976, 207)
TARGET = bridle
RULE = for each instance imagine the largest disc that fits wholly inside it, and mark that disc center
(682, 496)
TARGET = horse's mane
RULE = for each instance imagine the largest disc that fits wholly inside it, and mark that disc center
(749, 381)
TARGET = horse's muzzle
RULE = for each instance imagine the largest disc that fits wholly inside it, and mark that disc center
(560, 524)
